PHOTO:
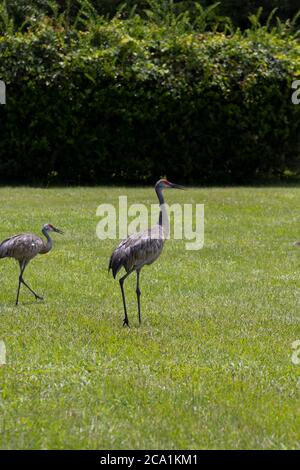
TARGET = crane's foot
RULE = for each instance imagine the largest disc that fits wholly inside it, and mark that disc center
(126, 322)
(38, 297)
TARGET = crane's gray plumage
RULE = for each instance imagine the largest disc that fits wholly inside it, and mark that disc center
(25, 245)
(137, 250)
(141, 248)
(24, 248)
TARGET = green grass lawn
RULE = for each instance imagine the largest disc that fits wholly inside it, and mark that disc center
(210, 366)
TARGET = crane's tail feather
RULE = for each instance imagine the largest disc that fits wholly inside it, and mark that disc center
(115, 263)
(3, 250)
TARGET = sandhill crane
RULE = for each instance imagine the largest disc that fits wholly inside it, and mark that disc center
(141, 248)
(24, 248)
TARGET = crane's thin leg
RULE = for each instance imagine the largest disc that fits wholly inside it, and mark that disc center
(138, 293)
(22, 267)
(121, 281)
(21, 281)
(32, 291)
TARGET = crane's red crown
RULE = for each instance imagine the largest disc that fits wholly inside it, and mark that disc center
(51, 228)
(163, 183)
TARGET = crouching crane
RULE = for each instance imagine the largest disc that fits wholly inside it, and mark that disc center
(141, 248)
(24, 248)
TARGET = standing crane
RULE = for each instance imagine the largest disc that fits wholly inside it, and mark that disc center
(142, 248)
(24, 248)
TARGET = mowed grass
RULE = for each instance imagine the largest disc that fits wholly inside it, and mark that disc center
(210, 367)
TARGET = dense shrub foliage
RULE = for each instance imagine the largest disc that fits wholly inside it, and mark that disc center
(130, 100)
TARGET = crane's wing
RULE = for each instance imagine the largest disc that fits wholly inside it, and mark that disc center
(136, 250)
(25, 245)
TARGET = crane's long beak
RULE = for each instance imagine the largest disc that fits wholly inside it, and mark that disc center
(58, 231)
(177, 186)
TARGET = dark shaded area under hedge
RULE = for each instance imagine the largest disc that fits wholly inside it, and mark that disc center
(126, 135)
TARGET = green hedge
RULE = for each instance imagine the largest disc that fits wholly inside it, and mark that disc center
(129, 101)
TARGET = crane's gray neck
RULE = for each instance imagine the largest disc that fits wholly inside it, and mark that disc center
(161, 204)
(49, 240)
(163, 214)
